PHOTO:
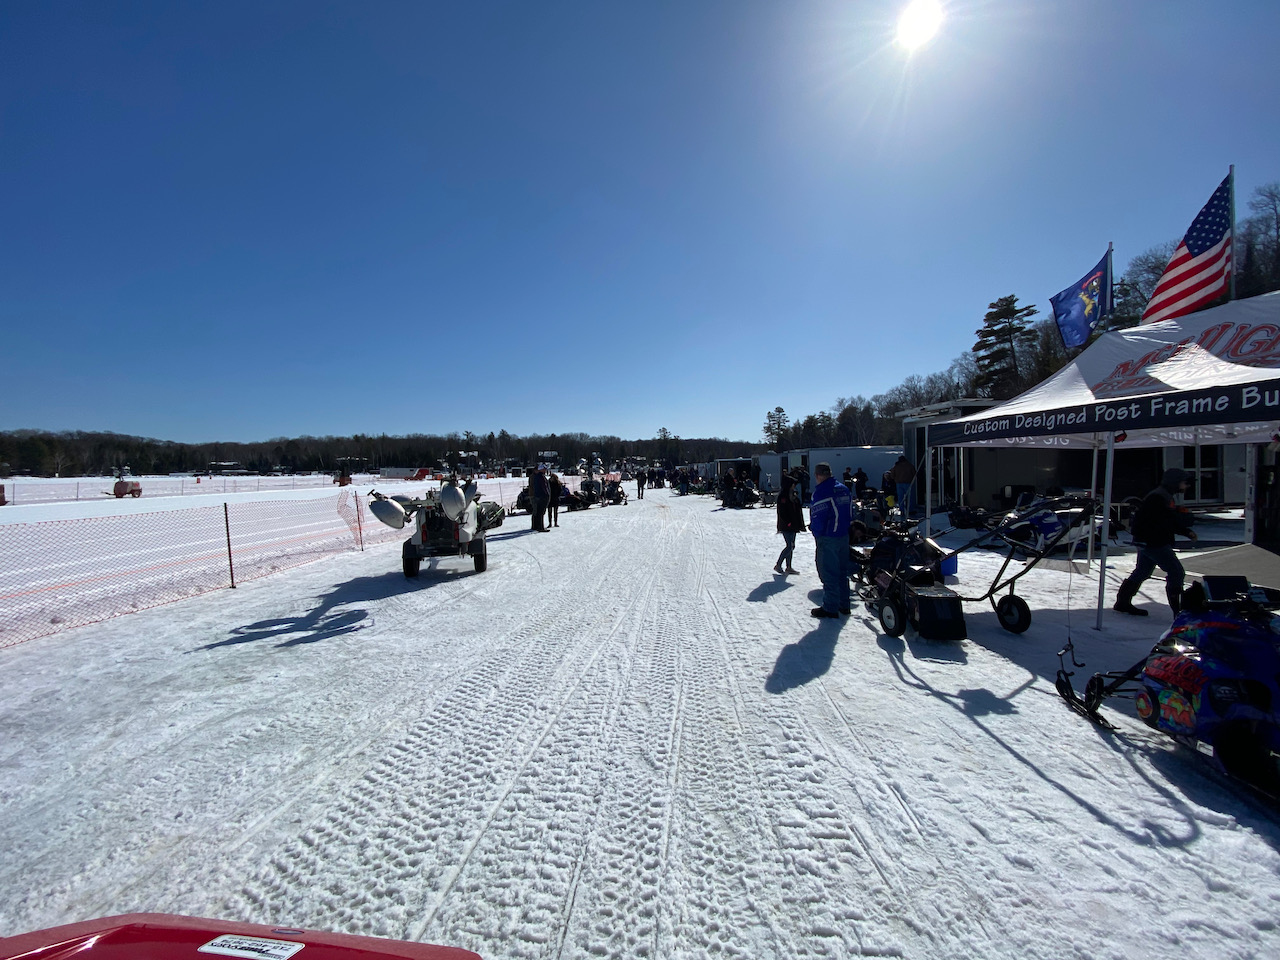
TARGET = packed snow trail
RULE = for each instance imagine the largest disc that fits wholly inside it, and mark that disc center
(626, 738)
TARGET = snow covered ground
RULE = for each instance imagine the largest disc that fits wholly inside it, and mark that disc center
(626, 738)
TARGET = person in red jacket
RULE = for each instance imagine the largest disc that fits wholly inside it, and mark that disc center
(790, 522)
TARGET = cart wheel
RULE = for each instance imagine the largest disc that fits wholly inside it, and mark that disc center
(1094, 693)
(411, 567)
(1014, 614)
(893, 619)
(482, 557)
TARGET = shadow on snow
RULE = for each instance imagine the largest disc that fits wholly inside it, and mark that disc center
(328, 620)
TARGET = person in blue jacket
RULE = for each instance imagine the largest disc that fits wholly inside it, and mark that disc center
(829, 516)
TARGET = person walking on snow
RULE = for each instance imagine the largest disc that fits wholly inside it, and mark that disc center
(790, 522)
(1155, 525)
(829, 516)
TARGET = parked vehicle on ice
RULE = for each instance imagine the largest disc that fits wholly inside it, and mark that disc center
(449, 522)
(125, 486)
(1212, 681)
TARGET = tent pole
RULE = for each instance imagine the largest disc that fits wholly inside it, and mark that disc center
(1251, 453)
(1093, 492)
(1106, 512)
(928, 485)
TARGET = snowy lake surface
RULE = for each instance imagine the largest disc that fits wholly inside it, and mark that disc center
(626, 739)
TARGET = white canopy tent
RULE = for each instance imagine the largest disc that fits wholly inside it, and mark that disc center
(1211, 377)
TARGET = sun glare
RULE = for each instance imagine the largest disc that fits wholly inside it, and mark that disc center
(918, 23)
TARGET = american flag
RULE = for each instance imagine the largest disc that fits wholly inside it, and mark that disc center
(1200, 270)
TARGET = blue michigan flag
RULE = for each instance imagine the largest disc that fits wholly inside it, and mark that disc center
(1079, 307)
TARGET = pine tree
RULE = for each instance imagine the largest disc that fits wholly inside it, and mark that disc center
(1005, 339)
(775, 426)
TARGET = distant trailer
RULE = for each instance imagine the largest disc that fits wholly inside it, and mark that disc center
(406, 473)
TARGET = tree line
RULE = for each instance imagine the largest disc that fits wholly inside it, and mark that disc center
(1014, 351)
(80, 453)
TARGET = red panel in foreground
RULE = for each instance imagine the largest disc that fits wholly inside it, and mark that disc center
(158, 936)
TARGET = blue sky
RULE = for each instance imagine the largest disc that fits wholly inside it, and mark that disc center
(238, 221)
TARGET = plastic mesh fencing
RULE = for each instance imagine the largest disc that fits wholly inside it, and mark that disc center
(57, 574)
(28, 491)
(64, 573)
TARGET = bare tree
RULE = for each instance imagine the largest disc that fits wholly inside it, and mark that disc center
(1138, 282)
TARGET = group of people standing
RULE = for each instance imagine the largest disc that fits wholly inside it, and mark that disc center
(829, 518)
(830, 515)
(544, 490)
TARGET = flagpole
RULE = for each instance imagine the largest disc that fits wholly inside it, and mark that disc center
(1111, 285)
(1231, 175)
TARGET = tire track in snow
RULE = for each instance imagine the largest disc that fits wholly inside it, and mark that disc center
(820, 856)
(414, 846)
(553, 808)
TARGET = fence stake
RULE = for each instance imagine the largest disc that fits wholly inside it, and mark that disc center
(359, 523)
(226, 516)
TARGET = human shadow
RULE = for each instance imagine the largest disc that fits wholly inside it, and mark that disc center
(510, 534)
(327, 619)
(770, 588)
(807, 659)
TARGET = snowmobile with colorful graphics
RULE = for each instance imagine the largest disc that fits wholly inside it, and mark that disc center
(1212, 682)
(449, 522)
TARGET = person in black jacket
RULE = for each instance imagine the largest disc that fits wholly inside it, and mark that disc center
(541, 495)
(860, 481)
(1155, 524)
(790, 522)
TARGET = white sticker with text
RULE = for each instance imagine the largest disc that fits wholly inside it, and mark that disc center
(253, 948)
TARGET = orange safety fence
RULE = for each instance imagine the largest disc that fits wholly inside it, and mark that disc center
(58, 574)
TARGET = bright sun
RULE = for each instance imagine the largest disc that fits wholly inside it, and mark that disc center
(918, 23)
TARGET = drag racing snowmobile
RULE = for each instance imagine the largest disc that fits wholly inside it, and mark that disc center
(1212, 682)
(449, 522)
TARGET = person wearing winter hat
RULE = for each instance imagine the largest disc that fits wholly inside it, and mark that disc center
(1155, 524)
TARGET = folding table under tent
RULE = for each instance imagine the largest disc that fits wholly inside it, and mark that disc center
(1212, 377)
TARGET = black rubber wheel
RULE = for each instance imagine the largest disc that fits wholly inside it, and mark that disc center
(411, 567)
(481, 557)
(1014, 614)
(893, 619)
(1094, 693)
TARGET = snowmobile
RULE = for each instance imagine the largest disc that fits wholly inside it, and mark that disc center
(1036, 523)
(589, 492)
(613, 493)
(449, 522)
(1212, 681)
